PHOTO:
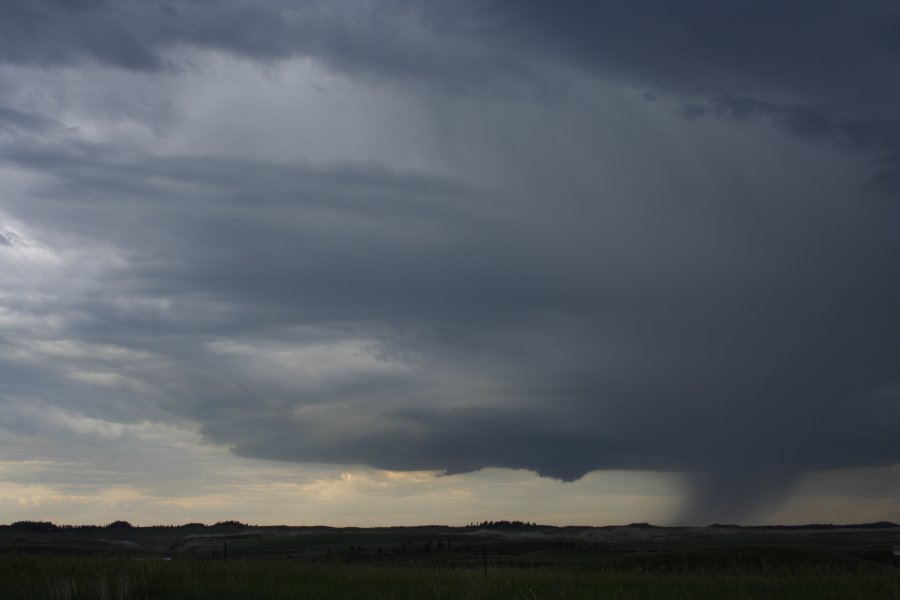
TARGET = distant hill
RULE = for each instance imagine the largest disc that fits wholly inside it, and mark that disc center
(47, 526)
(813, 526)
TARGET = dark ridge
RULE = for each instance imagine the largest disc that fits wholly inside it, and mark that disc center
(813, 526)
(643, 526)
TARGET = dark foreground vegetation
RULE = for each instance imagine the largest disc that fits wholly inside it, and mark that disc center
(488, 560)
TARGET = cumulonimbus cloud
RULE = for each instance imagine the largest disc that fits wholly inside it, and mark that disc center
(547, 311)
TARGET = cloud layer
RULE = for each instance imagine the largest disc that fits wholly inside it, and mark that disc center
(622, 236)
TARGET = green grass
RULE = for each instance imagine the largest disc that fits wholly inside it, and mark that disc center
(85, 577)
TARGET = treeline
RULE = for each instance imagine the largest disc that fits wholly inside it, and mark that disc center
(47, 526)
(504, 525)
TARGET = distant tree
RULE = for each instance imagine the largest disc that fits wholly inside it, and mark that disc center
(230, 524)
(119, 525)
(39, 526)
(504, 524)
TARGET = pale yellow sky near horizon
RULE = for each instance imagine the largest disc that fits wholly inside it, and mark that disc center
(212, 484)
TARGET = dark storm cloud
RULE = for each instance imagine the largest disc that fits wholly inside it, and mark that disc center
(829, 50)
(821, 71)
(235, 181)
(743, 363)
(17, 121)
(352, 312)
(807, 122)
(385, 39)
(832, 61)
(879, 137)
(53, 32)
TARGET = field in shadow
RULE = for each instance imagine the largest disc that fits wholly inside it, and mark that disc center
(495, 560)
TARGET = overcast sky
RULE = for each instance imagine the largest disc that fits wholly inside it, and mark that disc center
(395, 262)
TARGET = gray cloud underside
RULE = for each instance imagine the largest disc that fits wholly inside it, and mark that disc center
(832, 51)
(808, 67)
(744, 336)
(771, 351)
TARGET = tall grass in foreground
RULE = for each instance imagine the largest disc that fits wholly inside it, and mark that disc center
(70, 578)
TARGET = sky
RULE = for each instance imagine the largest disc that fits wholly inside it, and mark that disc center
(359, 262)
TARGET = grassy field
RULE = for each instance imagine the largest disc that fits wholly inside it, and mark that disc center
(243, 562)
(91, 577)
